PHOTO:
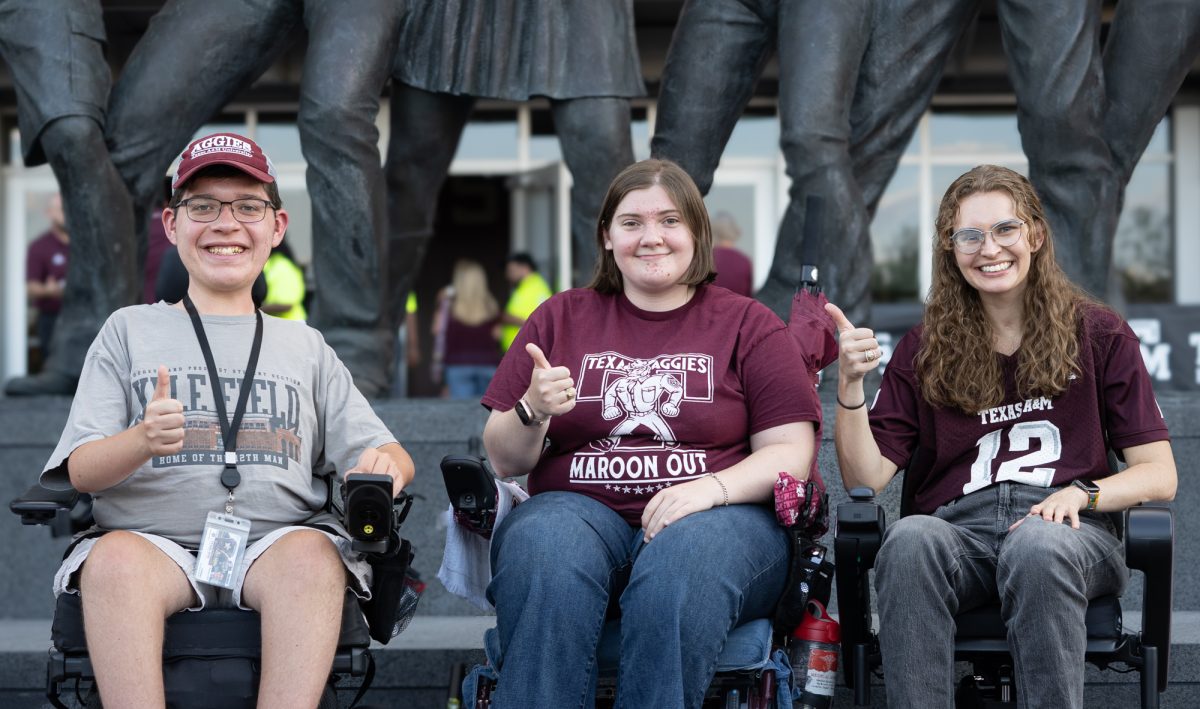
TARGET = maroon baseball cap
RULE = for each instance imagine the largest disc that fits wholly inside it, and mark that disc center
(224, 149)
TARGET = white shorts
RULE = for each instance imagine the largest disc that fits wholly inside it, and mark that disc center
(67, 578)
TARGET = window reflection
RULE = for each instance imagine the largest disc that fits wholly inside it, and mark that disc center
(738, 202)
(1142, 251)
(489, 139)
(894, 239)
(958, 133)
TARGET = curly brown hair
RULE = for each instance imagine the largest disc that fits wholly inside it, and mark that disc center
(957, 365)
(684, 194)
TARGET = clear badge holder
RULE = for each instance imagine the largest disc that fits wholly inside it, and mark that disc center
(222, 547)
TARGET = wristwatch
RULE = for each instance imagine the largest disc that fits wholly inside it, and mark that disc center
(1092, 490)
(525, 413)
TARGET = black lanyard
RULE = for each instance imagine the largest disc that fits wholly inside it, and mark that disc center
(230, 477)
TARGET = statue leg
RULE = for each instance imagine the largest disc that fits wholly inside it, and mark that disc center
(717, 53)
(62, 93)
(189, 64)
(900, 73)
(103, 273)
(425, 130)
(596, 143)
(1151, 45)
(1055, 65)
(820, 47)
(339, 99)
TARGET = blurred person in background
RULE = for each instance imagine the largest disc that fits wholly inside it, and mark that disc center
(529, 291)
(734, 269)
(465, 347)
(46, 272)
(285, 285)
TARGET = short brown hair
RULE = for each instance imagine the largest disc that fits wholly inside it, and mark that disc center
(686, 197)
(220, 171)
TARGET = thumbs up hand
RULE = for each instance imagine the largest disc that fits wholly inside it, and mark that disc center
(858, 350)
(162, 424)
(551, 389)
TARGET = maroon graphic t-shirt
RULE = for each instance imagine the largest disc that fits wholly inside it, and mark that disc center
(663, 397)
(1041, 441)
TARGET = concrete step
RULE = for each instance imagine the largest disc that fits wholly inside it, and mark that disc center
(414, 669)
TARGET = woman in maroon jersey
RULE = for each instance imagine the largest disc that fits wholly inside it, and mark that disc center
(653, 414)
(1013, 388)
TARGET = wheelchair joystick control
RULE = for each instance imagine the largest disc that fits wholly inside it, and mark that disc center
(814, 654)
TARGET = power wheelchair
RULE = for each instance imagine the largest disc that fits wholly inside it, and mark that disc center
(211, 658)
(981, 636)
(753, 669)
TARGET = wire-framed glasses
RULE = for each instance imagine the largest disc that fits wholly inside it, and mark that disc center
(206, 209)
(970, 240)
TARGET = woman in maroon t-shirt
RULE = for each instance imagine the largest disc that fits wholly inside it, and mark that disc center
(653, 414)
(1013, 388)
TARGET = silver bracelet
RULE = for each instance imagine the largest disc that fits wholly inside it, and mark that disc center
(724, 490)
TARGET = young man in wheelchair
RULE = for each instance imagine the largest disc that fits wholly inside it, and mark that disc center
(1014, 387)
(204, 432)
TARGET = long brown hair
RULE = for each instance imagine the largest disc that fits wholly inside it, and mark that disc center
(957, 365)
(686, 197)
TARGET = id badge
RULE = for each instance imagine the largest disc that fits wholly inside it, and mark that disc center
(221, 549)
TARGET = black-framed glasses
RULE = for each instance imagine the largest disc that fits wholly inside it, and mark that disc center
(970, 240)
(206, 209)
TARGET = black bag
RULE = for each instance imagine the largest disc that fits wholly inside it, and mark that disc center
(395, 590)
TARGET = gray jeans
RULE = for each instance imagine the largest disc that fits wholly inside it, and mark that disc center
(931, 567)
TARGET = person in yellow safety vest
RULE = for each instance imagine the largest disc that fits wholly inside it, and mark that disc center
(529, 291)
(285, 285)
(413, 340)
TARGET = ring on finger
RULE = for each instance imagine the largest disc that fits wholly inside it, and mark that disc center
(869, 356)
(570, 392)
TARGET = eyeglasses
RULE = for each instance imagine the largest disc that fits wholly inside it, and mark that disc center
(970, 240)
(207, 209)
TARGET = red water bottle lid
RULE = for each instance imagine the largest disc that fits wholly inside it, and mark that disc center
(817, 626)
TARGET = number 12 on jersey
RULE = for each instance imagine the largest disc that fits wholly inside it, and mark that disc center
(1023, 469)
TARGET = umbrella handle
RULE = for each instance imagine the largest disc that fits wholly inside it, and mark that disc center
(809, 280)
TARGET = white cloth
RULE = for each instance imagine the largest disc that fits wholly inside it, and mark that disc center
(466, 562)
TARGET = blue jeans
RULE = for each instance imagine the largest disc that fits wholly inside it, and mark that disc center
(468, 381)
(559, 556)
(931, 567)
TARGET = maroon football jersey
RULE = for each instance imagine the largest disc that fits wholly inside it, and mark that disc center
(1041, 441)
(662, 397)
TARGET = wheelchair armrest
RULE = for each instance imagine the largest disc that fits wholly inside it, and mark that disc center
(859, 534)
(41, 505)
(471, 486)
(1149, 548)
(860, 526)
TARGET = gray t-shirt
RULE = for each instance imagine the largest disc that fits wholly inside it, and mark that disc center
(304, 419)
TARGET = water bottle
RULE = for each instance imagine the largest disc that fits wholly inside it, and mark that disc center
(814, 654)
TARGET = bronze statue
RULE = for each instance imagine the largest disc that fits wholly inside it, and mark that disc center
(1150, 47)
(55, 50)
(193, 60)
(580, 55)
(855, 78)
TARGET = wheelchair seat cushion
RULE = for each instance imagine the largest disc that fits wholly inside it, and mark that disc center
(748, 647)
(208, 632)
(1103, 620)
